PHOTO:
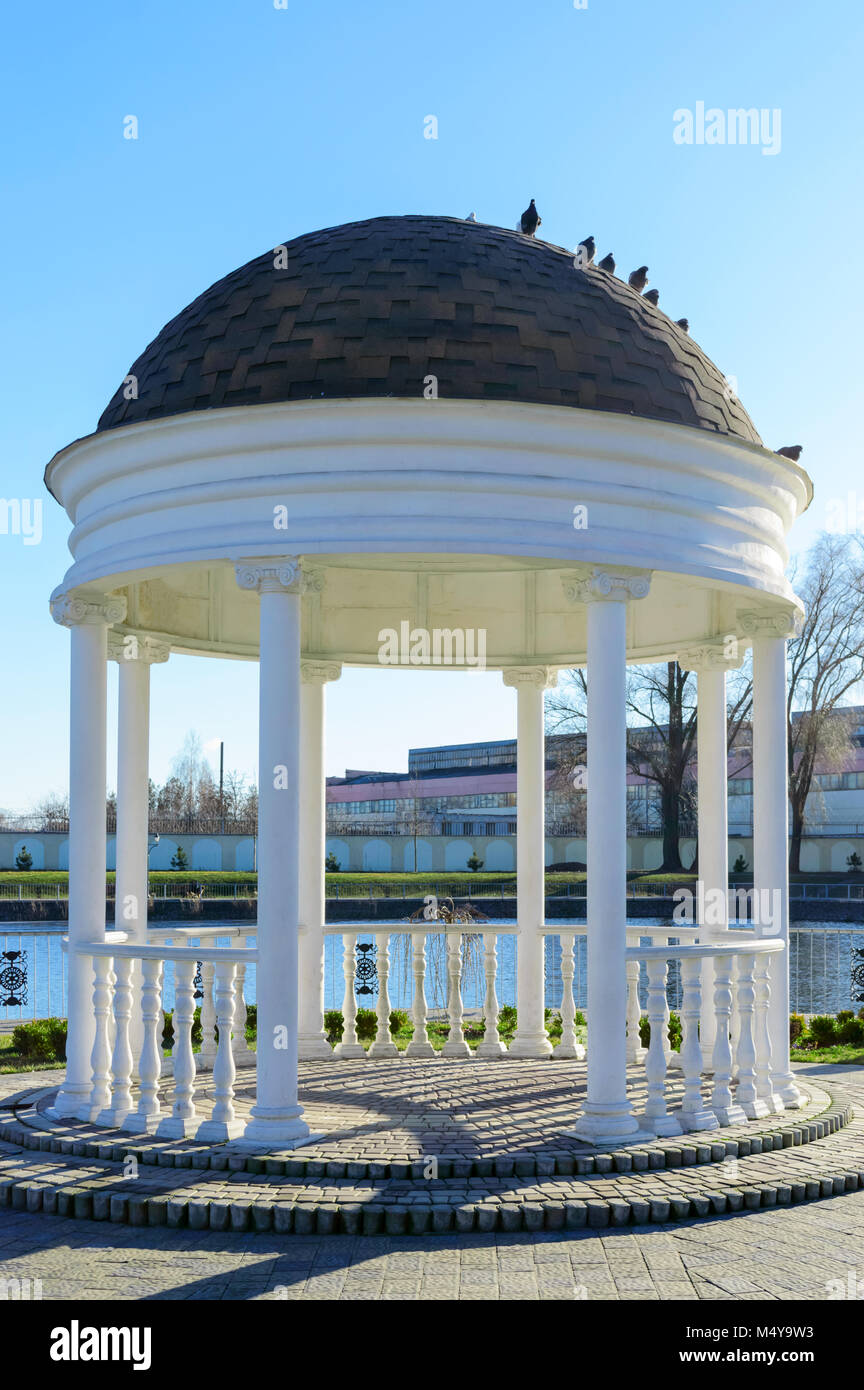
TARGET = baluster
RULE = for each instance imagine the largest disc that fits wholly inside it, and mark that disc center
(455, 1046)
(765, 1094)
(419, 1046)
(100, 1055)
(568, 1046)
(223, 1123)
(122, 1060)
(491, 1046)
(728, 1112)
(150, 1063)
(635, 1051)
(383, 1046)
(657, 1117)
(183, 1120)
(243, 1054)
(745, 1052)
(349, 1046)
(694, 1113)
(207, 1052)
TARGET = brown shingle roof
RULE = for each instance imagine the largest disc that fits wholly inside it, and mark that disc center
(371, 308)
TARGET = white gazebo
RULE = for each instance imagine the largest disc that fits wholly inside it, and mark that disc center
(426, 421)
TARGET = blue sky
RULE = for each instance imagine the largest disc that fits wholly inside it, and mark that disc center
(257, 124)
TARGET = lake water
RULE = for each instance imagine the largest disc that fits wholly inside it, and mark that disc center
(821, 959)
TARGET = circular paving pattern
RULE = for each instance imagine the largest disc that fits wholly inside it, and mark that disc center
(418, 1147)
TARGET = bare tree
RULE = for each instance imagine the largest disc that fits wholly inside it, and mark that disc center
(826, 663)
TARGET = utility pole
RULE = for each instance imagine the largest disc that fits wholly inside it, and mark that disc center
(221, 786)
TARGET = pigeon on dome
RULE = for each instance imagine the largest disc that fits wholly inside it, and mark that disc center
(530, 220)
(638, 279)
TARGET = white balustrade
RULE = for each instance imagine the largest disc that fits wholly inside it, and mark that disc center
(635, 1051)
(121, 1060)
(456, 1044)
(207, 1053)
(383, 1047)
(569, 1047)
(349, 1046)
(766, 1096)
(223, 1123)
(695, 1114)
(727, 1110)
(149, 1110)
(491, 1046)
(419, 1046)
(657, 1117)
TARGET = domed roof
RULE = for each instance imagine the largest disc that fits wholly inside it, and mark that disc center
(372, 308)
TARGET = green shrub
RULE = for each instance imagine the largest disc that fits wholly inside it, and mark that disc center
(399, 1021)
(844, 1016)
(474, 1029)
(252, 1019)
(41, 1041)
(852, 1032)
(579, 1019)
(334, 1025)
(823, 1030)
(675, 1034)
(366, 1023)
(507, 1019)
(168, 1029)
(554, 1026)
(796, 1027)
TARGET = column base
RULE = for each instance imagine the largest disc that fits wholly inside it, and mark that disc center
(757, 1109)
(615, 1124)
(730, 1115)
(383, 1050)
(664, 1126)
(68, 1101)
(111, 1118)
(489, 1050)
(350, 1050)
(142, 1124)
(282, 1128)
(787, 1091)
(219, 1131)
(456, 1047)
(530, 1045)
(172, 1127)
(311, 1047)
(420, 1049)
(562, 1053)
(692, 1120)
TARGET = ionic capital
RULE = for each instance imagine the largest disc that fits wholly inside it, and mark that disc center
(319, 672)
(87, 606)
(726, 655)
(530, 677)
(280, 576)
(782, 622)
(608, 585)
(137, 646)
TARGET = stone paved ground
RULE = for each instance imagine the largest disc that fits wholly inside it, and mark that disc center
(785, 1253)
(772, 1254)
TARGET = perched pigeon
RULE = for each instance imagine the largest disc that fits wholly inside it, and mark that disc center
(588, 247)
(683, 323)
(530, 220)
(607, 263)
(652, 296)
(472, 217)
(638, 278)
(790, 451)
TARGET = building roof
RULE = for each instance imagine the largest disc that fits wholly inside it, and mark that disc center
(371, 309)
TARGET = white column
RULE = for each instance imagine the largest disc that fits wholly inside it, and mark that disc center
(531, 1039)
(88, 615)
(276, 1117)
(771, 825)
(607, 1116)
(134, 653)
(313, 810)
(711, 663)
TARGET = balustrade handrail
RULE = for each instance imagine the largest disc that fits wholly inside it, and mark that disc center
(699, 950)
(136, 950)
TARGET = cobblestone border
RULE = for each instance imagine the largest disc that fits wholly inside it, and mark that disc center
(682, 1151)
(91, 1200)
